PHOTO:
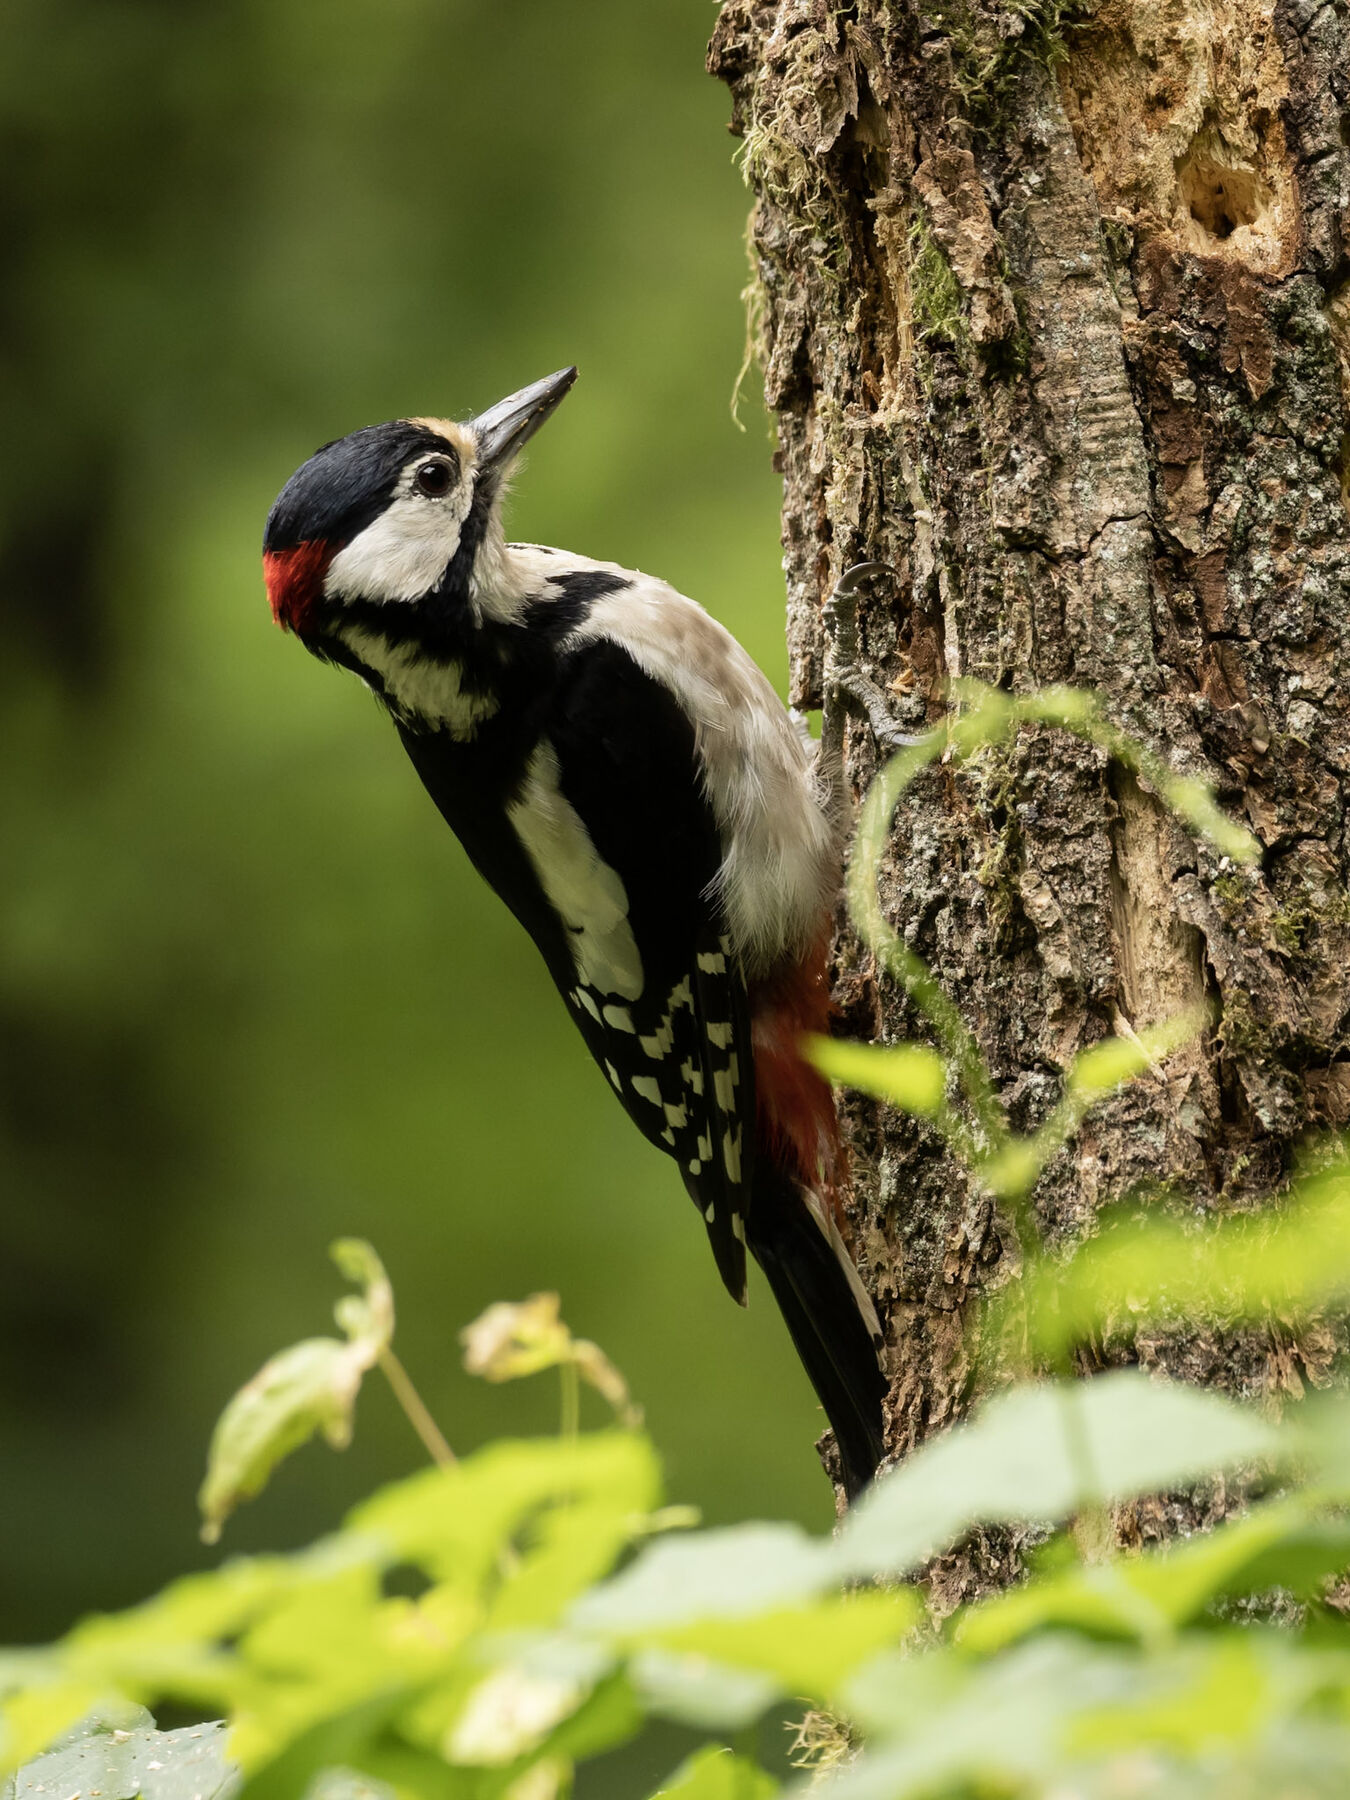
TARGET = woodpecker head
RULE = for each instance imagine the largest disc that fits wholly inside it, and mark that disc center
(397, 512)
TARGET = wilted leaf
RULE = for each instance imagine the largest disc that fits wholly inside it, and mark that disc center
(522, 1337)
(595, 1368)
(516, 1337)
(367, 1317)
(311, 1387)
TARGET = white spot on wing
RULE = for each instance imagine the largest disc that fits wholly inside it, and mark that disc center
(678, 1115)
(720, 1035)
(619, 1017)
(646, 1089)
(712, 962)
(731, 1154)
(661, 1041)
(586, 893)
(613, 1074)
(587, 999)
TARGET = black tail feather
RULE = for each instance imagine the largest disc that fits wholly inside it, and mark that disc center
(821, 1312)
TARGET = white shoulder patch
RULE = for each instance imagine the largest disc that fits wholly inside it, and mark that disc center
(586, 893)
(780, 864)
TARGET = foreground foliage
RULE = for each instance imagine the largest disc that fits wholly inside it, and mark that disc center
(465, 1633)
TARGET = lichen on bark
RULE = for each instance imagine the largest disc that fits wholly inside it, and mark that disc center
(1054, 320)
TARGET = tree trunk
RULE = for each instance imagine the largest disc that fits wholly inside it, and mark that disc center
(1054, 320)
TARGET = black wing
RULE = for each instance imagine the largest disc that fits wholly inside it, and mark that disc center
(684, 1071)
(671, 1028)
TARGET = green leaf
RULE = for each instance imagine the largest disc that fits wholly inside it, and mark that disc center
(714, 1773)
(141, 1764)
(691, 1690)
(357, 1737)
(456, 1522)
(1149, 1596)
(1064, 1714)
(34, 1718)
(1103, 1067)
(1293, 1260)
(1012, 1170)
(510, 1713)
(1043, 1453)
(734, 1573)
(348, 1784)
(808, 1650)
(910, 1076)
(1192, 801)
(943, 1725)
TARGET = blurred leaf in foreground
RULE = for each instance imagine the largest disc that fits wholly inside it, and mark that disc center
(1289, 1261)
(717, 1774)
(514, 1338)
(1046, 1452)
(136, 1764)
(309, 1388)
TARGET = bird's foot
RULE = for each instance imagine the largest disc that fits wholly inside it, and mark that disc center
(847, 683)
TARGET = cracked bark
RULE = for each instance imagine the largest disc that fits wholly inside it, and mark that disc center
(1054, 318)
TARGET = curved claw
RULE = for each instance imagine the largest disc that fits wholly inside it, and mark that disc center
(846, 586)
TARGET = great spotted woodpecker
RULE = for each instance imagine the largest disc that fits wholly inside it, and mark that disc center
(623, 775)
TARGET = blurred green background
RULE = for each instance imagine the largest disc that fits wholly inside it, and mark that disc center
(252, 997)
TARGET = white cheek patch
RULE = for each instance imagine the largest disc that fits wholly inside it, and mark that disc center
(403, 554)
(588, 896)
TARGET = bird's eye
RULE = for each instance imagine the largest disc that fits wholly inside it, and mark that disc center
(433, 479)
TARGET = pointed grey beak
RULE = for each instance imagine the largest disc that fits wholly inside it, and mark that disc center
(504, 428)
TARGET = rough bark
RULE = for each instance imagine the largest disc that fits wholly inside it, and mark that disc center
(1055, 320)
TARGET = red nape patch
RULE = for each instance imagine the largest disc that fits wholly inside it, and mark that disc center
(295, 581)
(797, 1118)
